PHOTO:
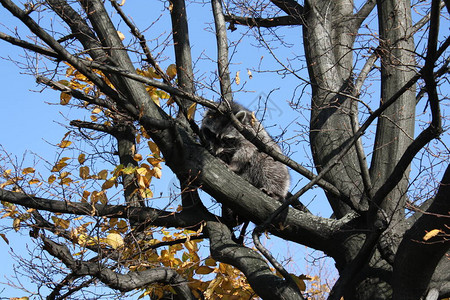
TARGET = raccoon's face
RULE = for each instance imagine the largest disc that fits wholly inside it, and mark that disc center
(221, 137)
(221, 146)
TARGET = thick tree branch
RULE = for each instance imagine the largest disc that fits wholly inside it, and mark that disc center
(121, 282)
(229, 188)
(183, 57)
(125, 135)
(291, 8)
(262, 22)
(150, 216)
(434, 129)
(222, 51)
(257, 271)
(411, 280)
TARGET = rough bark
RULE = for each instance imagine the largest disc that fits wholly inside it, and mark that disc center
(412, 280)
(330, 71)
(258, 273)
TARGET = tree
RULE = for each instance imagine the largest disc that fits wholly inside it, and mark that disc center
(381, 221)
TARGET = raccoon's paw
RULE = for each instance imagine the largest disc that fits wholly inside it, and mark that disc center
(270, 194)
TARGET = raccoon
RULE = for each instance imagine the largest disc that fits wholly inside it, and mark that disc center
(242, 157)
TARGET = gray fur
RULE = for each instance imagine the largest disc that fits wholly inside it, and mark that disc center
(242, 157)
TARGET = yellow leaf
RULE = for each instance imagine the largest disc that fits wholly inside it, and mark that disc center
(85, 196)
(61, 222)
(137, 157)
(103, 174)
(96, 110)
(7, 173)
(210, 262)
(142, 171)
(115, 240)
(16, 224)
(109, 183)
(4, 238)
(212, 287)
(64, 144)
(153, 147)
(84, 172)
(300, 283)
(155, 98)
(64, 98)
(99, 196)
(34, 181)
(157, 172)
(250, 76)
(191, 111)
(28, 170)
(66, 181)
(431, 233)
(128, 170)
(93, 118)
(81, 158)
(117, 170)
(237, 79)
(171, 71)
(121, 35)
(204, 270)
(191, 246)
(146, 193)
(162, 94)
(64, 175)
(51, 179)
(7, 182)
(144, 133)
(64, 82)
(122, 3)
(59, 166)
(155, 162)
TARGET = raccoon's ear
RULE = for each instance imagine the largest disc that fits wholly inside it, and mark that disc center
(242, 115)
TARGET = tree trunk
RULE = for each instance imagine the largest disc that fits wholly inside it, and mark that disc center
(330, 70)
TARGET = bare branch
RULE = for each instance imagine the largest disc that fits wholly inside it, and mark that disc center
(74, 61)
(142, 41)
(222, 51)
(75, 93)
(29, 46)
